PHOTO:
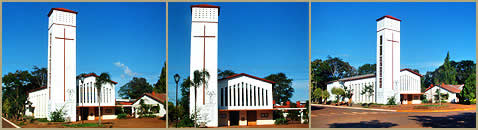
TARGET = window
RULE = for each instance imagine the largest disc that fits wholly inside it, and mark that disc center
(262, 91)
(247, 98)
(255, 96)
(267, 99)
(222, 96)
(242, 94)
(380, 64)
(234, 95)
(227, 98)
(265, 115)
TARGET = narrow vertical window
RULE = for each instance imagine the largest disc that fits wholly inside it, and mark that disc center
(222, 96)
(255, 96)
(227, 98)
(234, 94)
(267, 98)
(247, 99)
(242, 94)
(380, 65)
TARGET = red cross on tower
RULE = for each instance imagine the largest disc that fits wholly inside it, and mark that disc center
(204, 62)
(393, 41)
(64, 57)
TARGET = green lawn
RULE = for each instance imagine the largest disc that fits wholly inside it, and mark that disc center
(84, 125)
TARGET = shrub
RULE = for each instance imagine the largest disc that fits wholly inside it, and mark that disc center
(122, 116)
(186, 122)
(473, 101)
(425, 100)
(282, 121)
(147, 116)
(391, 101)
(42, 120)
(57, 115)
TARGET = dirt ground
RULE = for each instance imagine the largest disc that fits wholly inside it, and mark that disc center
(422, 107)
(331, 117)
(265, 126)
(116, 123)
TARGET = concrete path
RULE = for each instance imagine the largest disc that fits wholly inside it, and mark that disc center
(7, 124)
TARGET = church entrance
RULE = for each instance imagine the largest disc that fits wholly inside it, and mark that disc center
(234, 117)
(84, 113)
(409, 99)
(251, 117)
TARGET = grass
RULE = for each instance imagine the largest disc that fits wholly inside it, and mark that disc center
(83, 125)
(42, 120)
(431, 105)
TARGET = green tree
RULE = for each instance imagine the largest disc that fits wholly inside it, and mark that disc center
(135, 88)
(225, 73)
(367, 91)
(15, 89)
(160, 85)
(103, 79)
(338, 92)
(367, 69)
(283, 87)
(447, 74)
(200, 78)
(469, 90)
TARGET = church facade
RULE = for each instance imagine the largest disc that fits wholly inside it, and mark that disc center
(389, 80)
(77, 96)
(240, 99)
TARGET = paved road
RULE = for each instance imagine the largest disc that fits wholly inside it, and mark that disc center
(328, 117)
(5, 124)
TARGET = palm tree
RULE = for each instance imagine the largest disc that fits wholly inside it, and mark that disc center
(200, 77)
(100, 81)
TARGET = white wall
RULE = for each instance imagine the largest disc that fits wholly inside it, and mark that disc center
(206, 23)
(451, 96)
(148, 100)
(358, 86)
(39, 100)
(88, 94)
(389, 29)
(246, 84)
(62, 76)
(409, 82)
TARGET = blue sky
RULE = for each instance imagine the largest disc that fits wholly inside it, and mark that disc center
(254, 38)
(123, 39)
(428, 31)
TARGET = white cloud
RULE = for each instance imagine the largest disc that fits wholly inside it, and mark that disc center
(126, 69)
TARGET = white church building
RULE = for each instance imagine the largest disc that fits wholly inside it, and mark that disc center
(389, 80)
(239, 99)
(76, 96)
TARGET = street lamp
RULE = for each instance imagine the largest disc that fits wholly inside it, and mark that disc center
(176, 79)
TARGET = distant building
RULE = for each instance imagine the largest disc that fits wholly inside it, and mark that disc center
(450, 91)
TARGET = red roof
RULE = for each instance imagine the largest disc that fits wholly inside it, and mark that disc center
(411, 71)
(158, 97)
(93, 74)
(388, 16)
(206, 6)
(36, 89)
(451, 88)
(243, 74)
(61, 9)
(125, 103)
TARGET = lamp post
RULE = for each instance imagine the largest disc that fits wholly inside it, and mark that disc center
(176, 79)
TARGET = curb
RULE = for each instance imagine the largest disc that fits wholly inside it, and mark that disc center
(463, 109)
(11, 123)
(371, 109)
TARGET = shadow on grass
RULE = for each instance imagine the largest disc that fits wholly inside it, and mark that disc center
(363, 124)
(463, 120)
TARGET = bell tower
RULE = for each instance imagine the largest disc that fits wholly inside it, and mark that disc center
(204, 28)
(388, 59)
(62, 62)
